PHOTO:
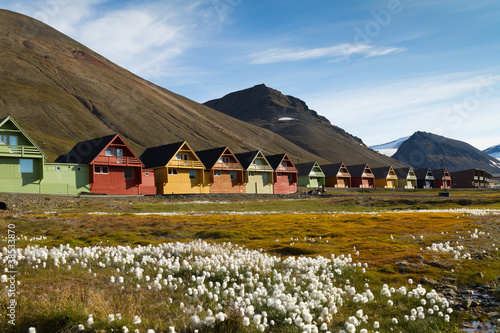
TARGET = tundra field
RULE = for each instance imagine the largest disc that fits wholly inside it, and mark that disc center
(354, 261)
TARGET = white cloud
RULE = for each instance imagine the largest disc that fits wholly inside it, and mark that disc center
(337, 52)
(451, 105)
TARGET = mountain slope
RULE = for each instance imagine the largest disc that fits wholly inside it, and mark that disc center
(291, 118)
(425, 150)
(61, 92)
(389, 148)
(493, 151)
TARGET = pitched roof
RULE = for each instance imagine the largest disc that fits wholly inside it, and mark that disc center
(159, 156)
(246, 158)
(356, 170)
(439, 174)
(275, 160)
(210, 156)
(331, 170)
(422, 173)
(402, 173)
(305, 168)
(5, 119)
(85, 152)
(381, 172)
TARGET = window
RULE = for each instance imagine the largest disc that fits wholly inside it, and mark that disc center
(8, 140)
(252, 173)
(264, 177)
(233, 175)
(216, 173)
(128, 173)
(25, 165)
(119, 152)
(13, 140)
(114, 152)
(258, 162)
(290, 176)
(181, 157)
(58, 168)
(109, 152)
(224, 159)
(284, 164)
(4, 139)
(101, 170)
(279, 174)
(192, 174)
(172, 171)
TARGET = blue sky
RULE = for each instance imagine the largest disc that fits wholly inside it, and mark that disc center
(381, 70)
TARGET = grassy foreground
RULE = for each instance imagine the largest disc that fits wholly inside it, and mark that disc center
(60, 296)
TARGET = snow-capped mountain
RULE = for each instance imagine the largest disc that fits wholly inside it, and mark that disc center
(493, 151)
(389, 148)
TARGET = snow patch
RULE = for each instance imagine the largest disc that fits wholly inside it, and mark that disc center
(389, 148)
(286, 119)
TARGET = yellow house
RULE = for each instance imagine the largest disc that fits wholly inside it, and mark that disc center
(178, 170)
(385, 177)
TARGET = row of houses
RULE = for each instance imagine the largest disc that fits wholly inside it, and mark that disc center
(107, 165)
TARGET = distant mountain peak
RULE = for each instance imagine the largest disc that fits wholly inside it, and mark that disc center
(493, 151)
(389, 148)
(428, 150)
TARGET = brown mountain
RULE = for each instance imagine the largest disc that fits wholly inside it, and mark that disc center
(290, 117)
(427, 150)
(61, 92)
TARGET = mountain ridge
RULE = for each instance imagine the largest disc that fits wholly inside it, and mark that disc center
(62, 92)
(291, 118)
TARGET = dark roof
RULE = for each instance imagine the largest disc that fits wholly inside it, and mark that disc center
(275, 160)
(210, 156)
(246, 158)
(305, 168)
(402, 172)
(438, 173)
(159, 156)
(422, 173)
(331, 170)
(85, 152)
(381, 172)
(356, 170)
(2, 119)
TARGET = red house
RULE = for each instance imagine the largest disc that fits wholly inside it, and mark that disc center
(114, 167)
(442, 178)
(284, 175)
(361, 175)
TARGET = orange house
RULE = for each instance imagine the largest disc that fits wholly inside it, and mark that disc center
(223, 171)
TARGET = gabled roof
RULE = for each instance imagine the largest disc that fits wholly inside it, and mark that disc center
(306, 168)
(9, 118)
(357, 170)
(155, 157)
(210, 156)
(381, 172)
(402, 173)
(275, 160)
(331, 170)
(85, 152)
(439, 174)
(422, 173)
(247, 158)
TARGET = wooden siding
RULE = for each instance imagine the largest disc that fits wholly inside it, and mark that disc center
(148, 186)
(256, 182)
(223, 183)
(65, 178)
(12, 180)
(179, 183)
(283, 184)
(114, 181)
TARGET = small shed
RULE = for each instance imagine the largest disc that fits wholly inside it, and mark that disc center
(310, 175)
(361, 175)
(406, 178)
(285, 175)
(336, 175)
(385, 177)
(425, 178)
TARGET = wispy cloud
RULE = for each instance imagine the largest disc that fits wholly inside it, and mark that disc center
(336, 53)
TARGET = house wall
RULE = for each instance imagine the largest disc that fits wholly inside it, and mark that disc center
(256, 183)
(407, 183)
(180, 183)
(362, 182)
(224, 183)
(12, 180)
(386, 183)
(439, 183)
(466, 179)
(114, 182)
(148, 186)
(311, 181)
(425, 183)
(64, 178)
(282, 185)
(339, 182)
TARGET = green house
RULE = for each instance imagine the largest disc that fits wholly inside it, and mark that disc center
(23, 168)
(310, 175)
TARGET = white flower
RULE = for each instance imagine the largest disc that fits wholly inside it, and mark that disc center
(81, 327)
(171, 329)
(137, 320)
(394, 321)
(246, 321)
(389, 303)
(125, 329)
(32, 330)
(376, 325)
(151, 331)
(3, 278)
(111, 318)
(90, 320)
